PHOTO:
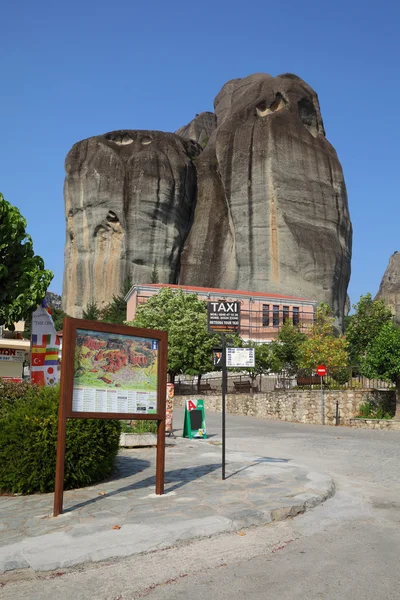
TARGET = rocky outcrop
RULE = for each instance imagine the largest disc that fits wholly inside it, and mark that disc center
(272, 212)
(389, 290)
(200, 129)
(262, 208)
(53, 300)
(129, 199)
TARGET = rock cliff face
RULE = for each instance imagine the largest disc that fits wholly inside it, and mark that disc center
(389, 290)
(200, 129)
(262, 208)
(272, 212)
(129, 199)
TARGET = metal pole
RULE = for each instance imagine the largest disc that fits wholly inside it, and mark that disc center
(160, 457)
(337, 413)
(224, 373)
(322, 404)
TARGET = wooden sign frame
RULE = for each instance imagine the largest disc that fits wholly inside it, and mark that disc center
(66, 411)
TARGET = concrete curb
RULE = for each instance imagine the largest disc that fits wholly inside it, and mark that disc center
(59, 550)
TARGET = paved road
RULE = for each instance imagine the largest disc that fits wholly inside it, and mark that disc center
(349, 548)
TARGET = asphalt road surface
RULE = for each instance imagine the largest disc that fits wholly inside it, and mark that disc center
(348, 548)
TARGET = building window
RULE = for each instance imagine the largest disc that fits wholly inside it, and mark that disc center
(275, 316)
(265, 315)
(285, 314)
(296, 319)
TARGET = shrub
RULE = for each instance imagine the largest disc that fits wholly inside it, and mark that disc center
(373, 410)
(141, 426)
(13, 393)
(341, 376)
(28, 442)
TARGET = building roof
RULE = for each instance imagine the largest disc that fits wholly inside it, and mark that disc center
(16, 344)
(215, 291)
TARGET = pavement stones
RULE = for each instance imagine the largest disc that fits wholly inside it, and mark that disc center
(196, 503)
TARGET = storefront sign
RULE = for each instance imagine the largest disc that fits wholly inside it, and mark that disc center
(11, 354)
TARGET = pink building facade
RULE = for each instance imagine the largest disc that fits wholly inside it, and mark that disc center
(262, 315)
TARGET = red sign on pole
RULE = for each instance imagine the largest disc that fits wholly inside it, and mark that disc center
(321, 370)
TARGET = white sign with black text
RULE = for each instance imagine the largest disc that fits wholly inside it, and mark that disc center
(240, 357)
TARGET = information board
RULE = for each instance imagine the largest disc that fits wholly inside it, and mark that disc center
(114, 373)
(240, 357)
(224, 317)
(111, 371)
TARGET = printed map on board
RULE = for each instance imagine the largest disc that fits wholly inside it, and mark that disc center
(108, 360)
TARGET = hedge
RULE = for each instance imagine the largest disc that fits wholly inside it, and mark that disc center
(28, 441)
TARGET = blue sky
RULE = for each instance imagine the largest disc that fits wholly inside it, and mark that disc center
(76, 69)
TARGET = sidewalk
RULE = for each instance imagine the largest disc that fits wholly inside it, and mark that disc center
(123, 516)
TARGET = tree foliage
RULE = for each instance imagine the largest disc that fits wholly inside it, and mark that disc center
(322, 345)
(92, 312)
(264, 359)
(184, 316)
(114, 312)
(365, 325)
(287, 348)
(23, 278)
(154, 273)
(382, 358)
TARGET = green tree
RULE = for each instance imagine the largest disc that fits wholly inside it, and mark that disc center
(287, 348)
(322, 345)
(58, 318)
(365, 325)
(184, 316)
(23, 278)
(115, 311)
(92, 312)
(382, 358)
(154, 273)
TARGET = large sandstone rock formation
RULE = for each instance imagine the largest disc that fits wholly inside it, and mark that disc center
(262, 208)
(129, 199)
(389, 290)
(271, 213)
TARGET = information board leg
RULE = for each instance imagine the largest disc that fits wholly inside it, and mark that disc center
(160, 460)
(223, 401)
(59, 481)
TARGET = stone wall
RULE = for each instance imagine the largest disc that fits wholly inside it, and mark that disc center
(376, 424)
(299, 406)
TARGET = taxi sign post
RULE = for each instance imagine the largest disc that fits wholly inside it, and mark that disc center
(223, 318)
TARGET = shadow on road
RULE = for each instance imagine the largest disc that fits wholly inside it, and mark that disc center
(177, 477)
(259, 461)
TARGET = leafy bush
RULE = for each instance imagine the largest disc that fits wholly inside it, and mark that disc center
(373, 410)
(141, 426)
(13, 393)
(28, 442)
(341, 376)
